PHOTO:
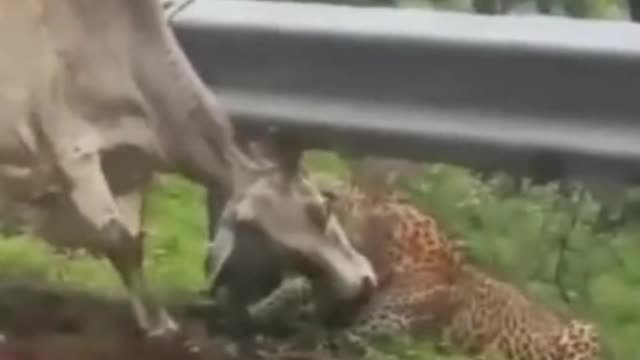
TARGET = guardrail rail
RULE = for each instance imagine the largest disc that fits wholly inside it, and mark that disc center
(520, 93)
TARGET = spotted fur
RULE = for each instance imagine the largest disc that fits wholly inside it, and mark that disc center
(497, 320)
(405, 247)
(425, 286)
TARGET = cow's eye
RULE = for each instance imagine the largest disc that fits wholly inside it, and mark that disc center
(318, 214)
(329, 195)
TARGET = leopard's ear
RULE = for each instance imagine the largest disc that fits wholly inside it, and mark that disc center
(280, 149)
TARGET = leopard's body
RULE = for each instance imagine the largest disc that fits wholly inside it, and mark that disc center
(406, 247)
(495, 318)
(424, 285)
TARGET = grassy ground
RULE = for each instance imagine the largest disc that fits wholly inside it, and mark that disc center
(551, 245)
(175, 220)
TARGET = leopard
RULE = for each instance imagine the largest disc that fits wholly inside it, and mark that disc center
(427, 285)
(498, 320)
(414, 259)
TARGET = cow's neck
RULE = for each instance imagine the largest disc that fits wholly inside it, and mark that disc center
(192, 125)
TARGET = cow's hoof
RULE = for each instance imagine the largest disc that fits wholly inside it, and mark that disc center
(166, 327)
(163, 334)
(187, 345)
(174, 341)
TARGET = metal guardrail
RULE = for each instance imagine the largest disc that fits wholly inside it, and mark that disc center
(521, 93)
(634, 10)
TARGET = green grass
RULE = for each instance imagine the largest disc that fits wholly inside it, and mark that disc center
(175, 221)
(518, 231)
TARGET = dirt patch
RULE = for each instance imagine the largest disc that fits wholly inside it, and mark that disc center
(41, 323)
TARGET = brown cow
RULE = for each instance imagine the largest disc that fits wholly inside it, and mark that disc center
(96, 96)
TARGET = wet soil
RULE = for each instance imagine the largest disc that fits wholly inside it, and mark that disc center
(41, 323)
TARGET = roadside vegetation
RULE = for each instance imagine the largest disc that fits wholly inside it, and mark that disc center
(549, 241)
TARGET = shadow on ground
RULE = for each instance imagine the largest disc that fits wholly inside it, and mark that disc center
(42, 323)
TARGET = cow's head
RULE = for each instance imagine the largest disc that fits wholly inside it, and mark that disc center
(277, 198)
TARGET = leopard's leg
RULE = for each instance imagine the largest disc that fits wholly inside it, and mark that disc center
(444, 345)
(293, 295)
(405, 309)
(382, 317)
(291, 304)
(458, 336)
(580, 341)
(492, 351)
(355, 339)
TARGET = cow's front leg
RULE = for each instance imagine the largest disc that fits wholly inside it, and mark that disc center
(116, 224)
(128, 260)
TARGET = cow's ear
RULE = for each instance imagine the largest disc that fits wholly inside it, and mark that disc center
(284, 151)
(260, 153)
